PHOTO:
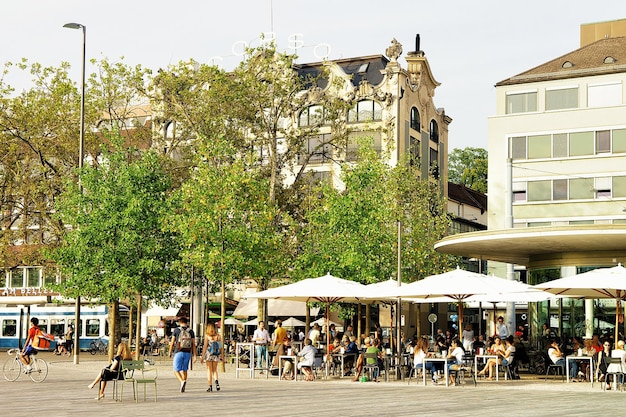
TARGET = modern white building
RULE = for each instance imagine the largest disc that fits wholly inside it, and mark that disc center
(557, 169)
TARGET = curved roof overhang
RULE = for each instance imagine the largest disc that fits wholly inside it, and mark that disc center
(542, 247)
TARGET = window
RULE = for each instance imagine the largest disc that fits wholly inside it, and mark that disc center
(559, 190)
(581, 143)
(414, 151)
(312, 116)
(93, 328)
(518, 147)
(602, 187)
(619, 140)
(619, 187)
(318, 148)
(365, 111)
(603, 141)
(519, 191)
(34, 275)
(9, 327)
(415, 119)
(581, 189)
(16, 279)
(49, 279)
(559, 145)
(434, 163)
(603, 95)
(563, 98)
(539, 146)
(521, 102)
(539, 190)
(434, 131)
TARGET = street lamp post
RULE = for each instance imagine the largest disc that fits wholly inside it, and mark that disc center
(81, 145)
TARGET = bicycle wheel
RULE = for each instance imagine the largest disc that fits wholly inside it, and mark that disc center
(92, 348)
(39, 370)
(12, 369)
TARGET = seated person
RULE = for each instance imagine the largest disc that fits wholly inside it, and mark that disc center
(307, 359)
(456, 353)
(557, 358)
(479, 343)
(61, 348)
(620, 353)
(504, 356)
(359, 362)
(374, 348)
(603, 361)
(353, 349)
(111, 372)
(419, 354)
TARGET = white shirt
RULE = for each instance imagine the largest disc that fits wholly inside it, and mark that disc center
(261, 337)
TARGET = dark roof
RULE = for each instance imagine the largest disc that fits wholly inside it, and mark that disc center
(372, 66)
(467, 196)
(587, 61)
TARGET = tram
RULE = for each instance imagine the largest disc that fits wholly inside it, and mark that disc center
(56, 319)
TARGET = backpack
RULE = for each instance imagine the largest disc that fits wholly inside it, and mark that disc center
(42, 340)
(184, 339)
(214, 348)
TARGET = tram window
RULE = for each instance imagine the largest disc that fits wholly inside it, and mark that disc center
(57, 327)
(43, 325)
(93, 328)
(9, 327)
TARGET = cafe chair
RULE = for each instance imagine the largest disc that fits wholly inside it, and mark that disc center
(614, 374)
(555, 370)
(510, 369)
(466, 369)
(370, 367)
(417, 372)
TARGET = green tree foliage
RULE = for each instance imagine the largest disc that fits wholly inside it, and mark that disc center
(468, 166)
(116, 247)
(353, 233)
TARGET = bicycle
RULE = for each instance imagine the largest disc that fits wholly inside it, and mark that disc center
(98, 346)
(13, 367)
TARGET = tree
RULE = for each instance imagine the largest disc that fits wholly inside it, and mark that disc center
(116, 248)
(353, 233)
(468, 167)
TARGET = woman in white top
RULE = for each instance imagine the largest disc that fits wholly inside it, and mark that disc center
(419, 354)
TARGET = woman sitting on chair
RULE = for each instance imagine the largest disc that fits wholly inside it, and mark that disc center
(113, 371)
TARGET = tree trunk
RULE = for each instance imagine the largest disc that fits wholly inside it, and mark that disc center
(222, 325)
(113, 318)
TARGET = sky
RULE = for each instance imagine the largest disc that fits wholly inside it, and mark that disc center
(470, 45)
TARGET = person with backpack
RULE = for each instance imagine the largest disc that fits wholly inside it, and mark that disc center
(29, 349)
(183, 345)
(212, 353)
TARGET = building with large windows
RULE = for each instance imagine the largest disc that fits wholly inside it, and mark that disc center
(557, 172)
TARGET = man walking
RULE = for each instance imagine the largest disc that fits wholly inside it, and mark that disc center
(183, 344)
(261, 338)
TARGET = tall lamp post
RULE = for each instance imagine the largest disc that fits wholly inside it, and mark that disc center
(81, 145)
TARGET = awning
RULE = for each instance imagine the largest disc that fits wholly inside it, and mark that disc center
(275, 308)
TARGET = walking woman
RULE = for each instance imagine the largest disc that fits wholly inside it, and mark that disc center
(212, 353)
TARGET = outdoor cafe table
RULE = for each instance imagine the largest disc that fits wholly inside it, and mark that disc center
(445, 367)
(486, 358)
(579, 358)
(342, 357)
(294, 369)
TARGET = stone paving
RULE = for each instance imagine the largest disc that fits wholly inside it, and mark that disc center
(65, 393)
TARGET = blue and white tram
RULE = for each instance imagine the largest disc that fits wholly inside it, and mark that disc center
(54, 319)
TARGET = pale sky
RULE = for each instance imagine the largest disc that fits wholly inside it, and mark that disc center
(470, 45)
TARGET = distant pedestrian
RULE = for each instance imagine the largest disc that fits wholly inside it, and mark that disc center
(183, 345)
(261, 339)
(212, 353)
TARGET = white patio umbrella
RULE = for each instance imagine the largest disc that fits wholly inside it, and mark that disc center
(597, 283)
(458, 285)
(233, 321)
(255, 322)
(293, 322)
(325, 289)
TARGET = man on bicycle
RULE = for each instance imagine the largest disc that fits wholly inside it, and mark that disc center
(28, 346)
